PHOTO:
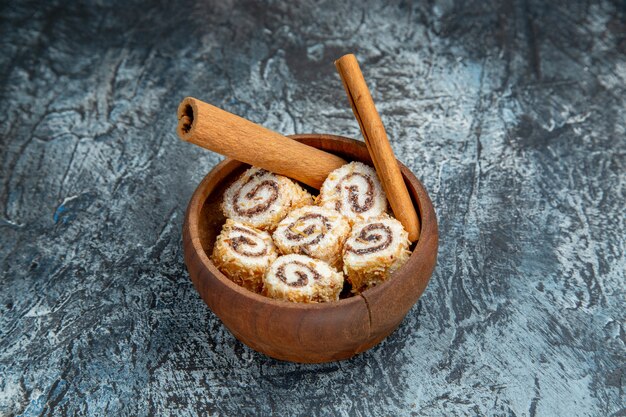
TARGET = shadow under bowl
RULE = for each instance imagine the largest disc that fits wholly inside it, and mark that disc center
(297, 332)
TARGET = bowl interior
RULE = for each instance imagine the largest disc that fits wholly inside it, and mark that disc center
(211, 218)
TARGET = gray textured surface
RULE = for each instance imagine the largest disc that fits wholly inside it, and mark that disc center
(512, 114)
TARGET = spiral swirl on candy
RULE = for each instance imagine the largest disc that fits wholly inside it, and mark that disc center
(372, 238)
(354, 191)
(296, 274)
(314, 231)
(374, 250)
(299, 278)
(243, 254)
(360, 192)
(261, 199)
(246, 242)
(266, 191)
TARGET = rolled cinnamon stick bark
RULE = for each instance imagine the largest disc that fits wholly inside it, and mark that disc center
(225, 133)
(378, 145)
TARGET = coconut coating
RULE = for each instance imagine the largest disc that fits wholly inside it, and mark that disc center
(374, 250)
(243, 254)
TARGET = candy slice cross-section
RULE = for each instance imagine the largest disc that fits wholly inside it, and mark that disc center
(354, 190)
(244, 254)
(374, 250)
(261, 199)
(314, 231)
(300, 278)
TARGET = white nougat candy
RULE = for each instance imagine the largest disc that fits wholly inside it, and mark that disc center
(302, 279)
(314, 231)
(374, 250)
(277, 243)
(244, 254)
(354, 190)
(261, 199)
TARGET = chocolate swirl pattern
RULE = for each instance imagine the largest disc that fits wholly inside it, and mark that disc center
(314, 231)
(243, 254)
(296, 274)
(247, 242)
(261, 199)
(360, 193)
(262, 195)
(299, 278)
(374, 250)
(354, 191)
(374, 237)
(307, 229)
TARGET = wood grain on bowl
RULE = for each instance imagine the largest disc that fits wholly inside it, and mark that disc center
(305, 332)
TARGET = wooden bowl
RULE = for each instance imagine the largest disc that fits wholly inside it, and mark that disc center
(298, 332)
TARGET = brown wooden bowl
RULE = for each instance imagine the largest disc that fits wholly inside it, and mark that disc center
(298, 332)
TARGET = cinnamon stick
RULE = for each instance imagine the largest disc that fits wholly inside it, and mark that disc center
(225, 133)
(378, 144)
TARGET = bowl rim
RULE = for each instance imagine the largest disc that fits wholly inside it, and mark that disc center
(428, 225)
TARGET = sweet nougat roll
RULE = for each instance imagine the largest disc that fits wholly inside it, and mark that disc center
(262, 199)
(314, 231)
(374, 250)
(354, 190)
(302, 279)
(244, 254)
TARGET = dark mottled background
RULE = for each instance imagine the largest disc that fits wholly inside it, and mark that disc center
(513, 114)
